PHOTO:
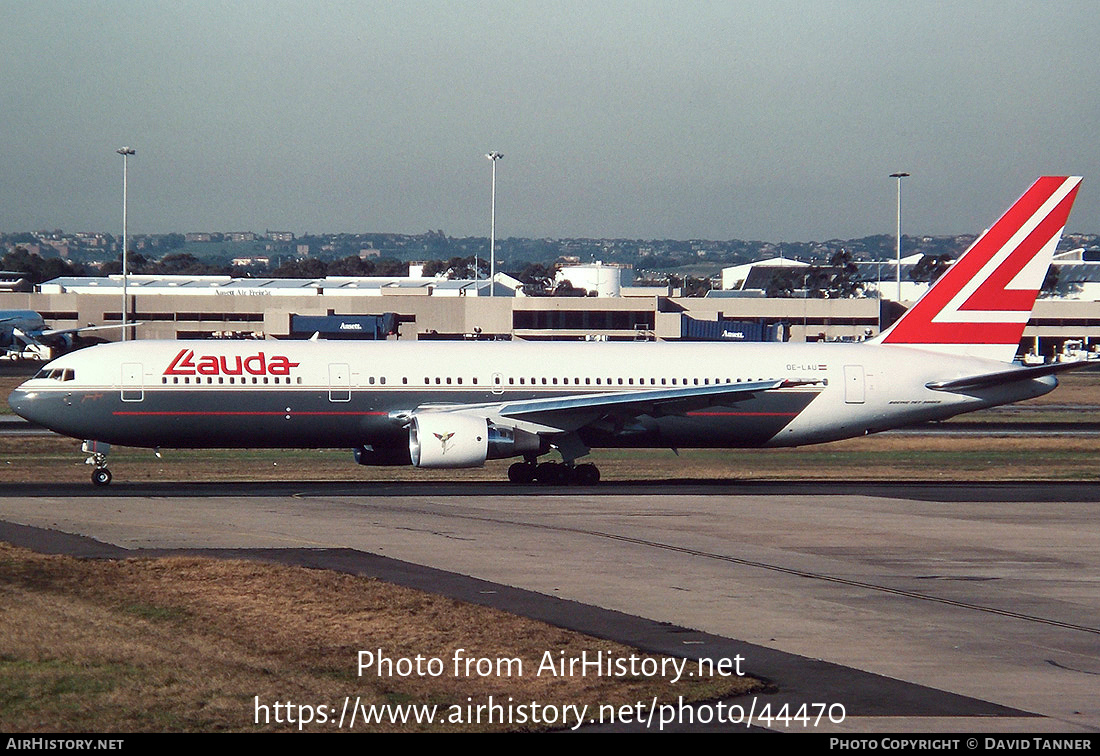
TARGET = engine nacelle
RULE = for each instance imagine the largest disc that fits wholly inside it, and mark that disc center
(382, 456)
(445, 439)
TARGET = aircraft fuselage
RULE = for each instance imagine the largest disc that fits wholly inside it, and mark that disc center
(336, 394)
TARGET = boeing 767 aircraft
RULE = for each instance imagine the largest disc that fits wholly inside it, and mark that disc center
(453, 405)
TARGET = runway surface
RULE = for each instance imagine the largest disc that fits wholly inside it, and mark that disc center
(920, 606)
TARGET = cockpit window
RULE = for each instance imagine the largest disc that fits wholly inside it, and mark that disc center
(57, 374)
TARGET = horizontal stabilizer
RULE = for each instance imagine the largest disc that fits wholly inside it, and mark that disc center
(1002, 377)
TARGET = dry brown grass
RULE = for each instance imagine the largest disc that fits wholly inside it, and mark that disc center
(185, 644)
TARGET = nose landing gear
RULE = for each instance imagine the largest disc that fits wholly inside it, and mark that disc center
(98, 450)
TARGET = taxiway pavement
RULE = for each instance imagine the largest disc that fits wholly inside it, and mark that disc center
(927, 607)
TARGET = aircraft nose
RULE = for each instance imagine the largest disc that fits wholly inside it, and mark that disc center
(16, 400)
(22, 402)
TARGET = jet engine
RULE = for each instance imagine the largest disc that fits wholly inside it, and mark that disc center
(445, 439)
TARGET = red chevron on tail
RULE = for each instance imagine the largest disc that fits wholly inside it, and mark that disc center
(981, 304)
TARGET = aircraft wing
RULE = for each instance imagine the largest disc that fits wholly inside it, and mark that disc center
(1001, 377)
(568, 413)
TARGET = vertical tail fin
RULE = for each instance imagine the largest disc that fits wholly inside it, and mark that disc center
(981, 305)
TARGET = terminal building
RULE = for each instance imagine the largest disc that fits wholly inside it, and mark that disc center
(198, 307)
(428, 308)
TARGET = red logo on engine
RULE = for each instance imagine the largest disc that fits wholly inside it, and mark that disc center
(186, 363)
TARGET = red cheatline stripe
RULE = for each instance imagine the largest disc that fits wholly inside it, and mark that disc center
(742, 414)
(239, 414)
(360, 414)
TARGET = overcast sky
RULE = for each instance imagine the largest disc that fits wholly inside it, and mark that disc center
(755, 120)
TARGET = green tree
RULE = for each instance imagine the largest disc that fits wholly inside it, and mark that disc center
(37, 268)
(784, 282)
(538, 279)
(929, 268)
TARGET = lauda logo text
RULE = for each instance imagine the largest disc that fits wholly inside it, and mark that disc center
(187, 363)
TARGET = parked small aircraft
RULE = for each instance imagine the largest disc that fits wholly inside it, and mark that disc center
(24, 335)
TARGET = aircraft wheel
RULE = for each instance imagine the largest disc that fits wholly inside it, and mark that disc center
(101, 476)
(586, 475)
(521, 472)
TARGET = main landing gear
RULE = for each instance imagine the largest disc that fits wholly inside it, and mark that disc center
(554, 473)
(98, 450)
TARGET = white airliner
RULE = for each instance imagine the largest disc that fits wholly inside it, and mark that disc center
(452, 405)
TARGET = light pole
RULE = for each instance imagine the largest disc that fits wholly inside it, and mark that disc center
(126, 152)
(899, 177)
(493, 158)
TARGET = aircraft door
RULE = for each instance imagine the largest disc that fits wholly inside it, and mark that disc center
(854, 384)
(339, 383)
(498, 383)
(132, 390)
